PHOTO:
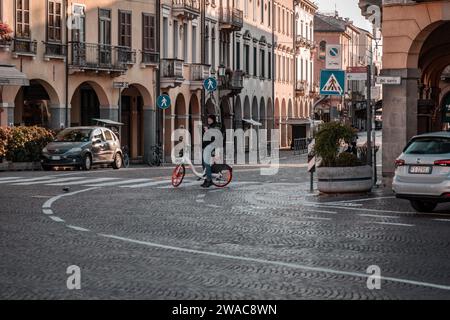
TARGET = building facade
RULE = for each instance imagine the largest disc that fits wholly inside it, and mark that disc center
(104, 42)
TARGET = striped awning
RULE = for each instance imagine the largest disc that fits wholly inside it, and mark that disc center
(10, 76)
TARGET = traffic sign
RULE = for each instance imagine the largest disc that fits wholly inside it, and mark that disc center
(332, 82)
(210, 84)
(357, 73)
(388, 80)
(333, 58)
(120, 85)
(163, 101)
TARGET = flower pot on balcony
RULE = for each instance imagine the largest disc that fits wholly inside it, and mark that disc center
(344, 179)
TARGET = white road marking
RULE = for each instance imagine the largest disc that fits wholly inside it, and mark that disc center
(320, 211)
(365, 199)
(47, 181)
(24, 180)
(9, 178)
(78, 228)
(186, 183)
(83, 182)
(312, 204)
(276, 263)
(395, 224)
(148, 184)
(442, 220)
(47, 211)
(213, 206)
(57, 219)
(48, 204)
(378, 216)
(315, 218)
(115, 183)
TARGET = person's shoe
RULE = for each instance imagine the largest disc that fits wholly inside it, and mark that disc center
(207, 184)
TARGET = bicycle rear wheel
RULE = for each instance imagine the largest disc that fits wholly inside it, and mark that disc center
(222, 175)
(178, 175)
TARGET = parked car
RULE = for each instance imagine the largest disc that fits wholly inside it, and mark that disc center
(422, 173)
(83, 147)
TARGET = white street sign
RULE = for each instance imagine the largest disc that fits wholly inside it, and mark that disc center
(120, 85)
(388, 80)
(333, 59)
(357, 76)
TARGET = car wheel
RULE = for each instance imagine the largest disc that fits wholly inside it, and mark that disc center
(47, 167)
(423, 206)
(117, 164)
(87, 162)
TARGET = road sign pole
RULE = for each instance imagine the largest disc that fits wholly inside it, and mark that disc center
(369, 116)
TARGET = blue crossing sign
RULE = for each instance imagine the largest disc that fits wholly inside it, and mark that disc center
(332, 82)
(210, 84)
(163, 101)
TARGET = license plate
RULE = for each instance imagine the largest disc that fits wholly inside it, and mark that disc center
(420, 169)
(56, 158)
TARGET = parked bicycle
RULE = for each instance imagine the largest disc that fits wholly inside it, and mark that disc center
(155, 156)
(222, 174)
(125, 157)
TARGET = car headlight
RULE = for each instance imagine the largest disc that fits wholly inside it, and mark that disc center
(45, 150)
(74, 150)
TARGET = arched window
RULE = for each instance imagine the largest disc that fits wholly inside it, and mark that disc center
(206, 45)
(322, 49)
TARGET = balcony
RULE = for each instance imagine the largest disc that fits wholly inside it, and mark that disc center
(232, 83)
(301, 87)
(231, 19)
(198, 73)
(54, 50)
(171, 73)
(187, 9)
(149, 58)
(99, 57)
(24, 47)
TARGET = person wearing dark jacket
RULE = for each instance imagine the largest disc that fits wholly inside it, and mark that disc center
(208, 149)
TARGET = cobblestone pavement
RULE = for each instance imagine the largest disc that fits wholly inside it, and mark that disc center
(263, 237)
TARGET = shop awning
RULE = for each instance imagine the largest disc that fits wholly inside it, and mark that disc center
(10, 76)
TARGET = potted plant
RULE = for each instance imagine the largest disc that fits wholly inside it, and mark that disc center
(340, 171)
(5, 34)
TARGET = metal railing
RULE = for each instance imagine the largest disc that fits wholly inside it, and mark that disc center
(172, 68)
(25, 46)
(149, 57)
(199, 72)
(55, 49)
(232, 81)
(232, 17)
(193, 5)
(300, 146)
(99, 56)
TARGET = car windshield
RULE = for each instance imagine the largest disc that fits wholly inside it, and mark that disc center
(73, 135)
(428, 145)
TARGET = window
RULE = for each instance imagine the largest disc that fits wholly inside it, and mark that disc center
(79, 33)
(262, 59)
(185, 42)
(165, 37)
(148, 34)
(23, 18)
(246, 8)
(175, 38)
(322, 48)
(108, 135)
(206, 45)
(54, 21)
(213, 48)
(125, 28)
(238, 56)
(269, 14)
(255, 62)
(247, 59)
(269, 65)
(254, 10)
(194, 44)
(104, 26)
(262, 11)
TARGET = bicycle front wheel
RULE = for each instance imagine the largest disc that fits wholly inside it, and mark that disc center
(222, 175)
(178, 175)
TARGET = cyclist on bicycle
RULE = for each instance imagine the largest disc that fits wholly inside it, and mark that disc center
(208, 149)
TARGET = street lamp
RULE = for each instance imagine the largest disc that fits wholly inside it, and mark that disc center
(222, 70)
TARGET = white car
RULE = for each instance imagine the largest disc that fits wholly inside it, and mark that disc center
(422, 173)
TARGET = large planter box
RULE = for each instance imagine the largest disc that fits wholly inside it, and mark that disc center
(20, 166)
(344, 179)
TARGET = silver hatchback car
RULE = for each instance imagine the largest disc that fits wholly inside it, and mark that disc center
(422, 172)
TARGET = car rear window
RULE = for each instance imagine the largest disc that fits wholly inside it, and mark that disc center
(428, 145)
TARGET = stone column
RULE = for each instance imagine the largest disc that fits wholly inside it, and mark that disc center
(149, 130)
(58, 116)
(110, 112)
(7, 116)
(399, 116)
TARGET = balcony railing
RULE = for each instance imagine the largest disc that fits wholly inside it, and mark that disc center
(189, 9)
(99, 56)
(301, 87)
(149, 57)
(55, 49)
(25, 46)
(199, 72)
(172, 68)
(232, 81)
(231, 18)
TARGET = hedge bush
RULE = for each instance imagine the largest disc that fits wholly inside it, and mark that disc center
(24, 144)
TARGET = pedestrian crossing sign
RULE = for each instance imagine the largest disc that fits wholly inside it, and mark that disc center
(332, 82)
